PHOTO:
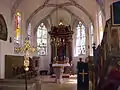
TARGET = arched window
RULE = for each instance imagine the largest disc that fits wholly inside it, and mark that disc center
(92, 33)
(29, 32)
(80, 48)
(17, 27)
(100, 18)
(42, 39)
(17, 38)
(91, 40)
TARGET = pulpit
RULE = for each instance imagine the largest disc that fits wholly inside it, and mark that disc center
(61, 44)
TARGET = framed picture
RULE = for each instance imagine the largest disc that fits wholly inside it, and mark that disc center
(3, 29)
(115, 13)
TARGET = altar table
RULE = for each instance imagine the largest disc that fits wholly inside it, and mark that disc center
(59, 69)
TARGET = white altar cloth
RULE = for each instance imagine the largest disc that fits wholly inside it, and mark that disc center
(60, 65)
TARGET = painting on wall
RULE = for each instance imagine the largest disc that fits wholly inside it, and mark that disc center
(3, 29)
(115, 13)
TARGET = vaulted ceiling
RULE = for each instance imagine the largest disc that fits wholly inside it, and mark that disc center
(36, 10)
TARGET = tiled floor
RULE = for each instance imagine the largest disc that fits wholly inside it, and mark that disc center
(68, 83)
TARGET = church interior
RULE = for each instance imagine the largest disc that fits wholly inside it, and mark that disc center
(44, 43)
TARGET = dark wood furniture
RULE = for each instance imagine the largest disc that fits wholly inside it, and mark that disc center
(61, 44)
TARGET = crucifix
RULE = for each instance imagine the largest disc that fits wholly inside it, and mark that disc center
(83, 74)
(27, 49)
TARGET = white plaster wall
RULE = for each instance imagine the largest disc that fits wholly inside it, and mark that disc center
(5, 46)
(29, 7)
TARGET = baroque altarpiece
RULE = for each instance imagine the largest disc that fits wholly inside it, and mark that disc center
(61, 44)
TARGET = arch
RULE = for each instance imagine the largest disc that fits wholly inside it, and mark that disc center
(73, 3)
(15, 6)
(17, 27)
(3, 28)
(42, 36)
(42, 21)
(75, 22)
(72, 14)
(80, 39)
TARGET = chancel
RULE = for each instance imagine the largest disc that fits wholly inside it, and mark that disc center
(76, 43)
(61, 44)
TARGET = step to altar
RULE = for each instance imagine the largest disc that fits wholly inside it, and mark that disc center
(63, 76)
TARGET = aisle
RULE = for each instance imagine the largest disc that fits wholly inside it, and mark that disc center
(68, 84)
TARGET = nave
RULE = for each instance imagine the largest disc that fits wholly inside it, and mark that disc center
(48, 83)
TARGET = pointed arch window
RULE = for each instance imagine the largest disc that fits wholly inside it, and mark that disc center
(100, 17)
(91, 40)
(92, 33)
(42, 39)
(17, 25)
(80, 40)
(29, 32)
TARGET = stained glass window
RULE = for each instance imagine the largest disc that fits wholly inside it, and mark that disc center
(92, 33)
(17, 27)
(29, 32)
(42, 39)
(80, 40)
(17, 20)
(100, 25)
(91, 39)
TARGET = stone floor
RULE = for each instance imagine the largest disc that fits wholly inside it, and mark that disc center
(68, 84)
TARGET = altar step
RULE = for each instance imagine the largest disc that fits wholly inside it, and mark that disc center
(64, 76)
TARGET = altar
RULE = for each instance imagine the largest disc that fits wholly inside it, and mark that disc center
(59, 69)
(61, 49)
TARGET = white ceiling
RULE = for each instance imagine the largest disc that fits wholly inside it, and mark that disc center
(36, 10)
